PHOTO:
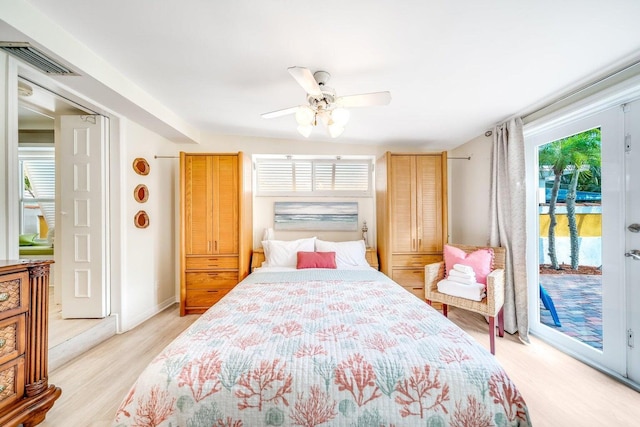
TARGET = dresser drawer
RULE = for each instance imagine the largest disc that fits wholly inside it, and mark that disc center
(204, 298)
(14, 291)
(211, 280)
(12, 340)
(409, 278)
(203, 263)
(417, 260)
(11, 382)
(419, 292)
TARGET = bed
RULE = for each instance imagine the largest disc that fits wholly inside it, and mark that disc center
(342, 346)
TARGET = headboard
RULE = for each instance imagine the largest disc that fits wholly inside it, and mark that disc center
(258, 258)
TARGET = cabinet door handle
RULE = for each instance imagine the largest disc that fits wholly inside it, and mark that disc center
(413, 244)
(209, 246)
(216, 245)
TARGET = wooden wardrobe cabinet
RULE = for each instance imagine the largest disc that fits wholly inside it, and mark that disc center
(411, 215)
(25, 394)
(216, 227)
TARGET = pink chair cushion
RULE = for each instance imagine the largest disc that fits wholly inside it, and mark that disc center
(316, 260)
(480, 260)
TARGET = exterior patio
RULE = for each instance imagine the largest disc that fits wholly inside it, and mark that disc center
(578, 303)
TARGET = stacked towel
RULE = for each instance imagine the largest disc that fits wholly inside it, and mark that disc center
(462, 274)
(475, 292)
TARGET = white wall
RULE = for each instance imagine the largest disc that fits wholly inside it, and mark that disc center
(469, 186)
(149, 255)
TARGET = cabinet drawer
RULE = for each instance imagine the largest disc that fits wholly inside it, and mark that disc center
(211, 280)
(11, 338)
(204, 298)
(417, 260)
(417, 291)
(201, 263)
(14, 291)
(409, 278)
(11, 382)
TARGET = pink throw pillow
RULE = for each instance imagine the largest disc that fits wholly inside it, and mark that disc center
(316, 260)
(481, 261)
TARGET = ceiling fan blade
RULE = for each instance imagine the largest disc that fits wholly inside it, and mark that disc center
(364, 99)
(278, 113)
(305, 78)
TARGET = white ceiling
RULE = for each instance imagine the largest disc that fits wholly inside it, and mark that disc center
(454, 68)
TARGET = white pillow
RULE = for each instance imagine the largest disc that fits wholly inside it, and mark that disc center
(284, 253)
(348, 254)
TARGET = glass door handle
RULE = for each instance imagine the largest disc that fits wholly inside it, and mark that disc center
(633, 253)
(634, 228)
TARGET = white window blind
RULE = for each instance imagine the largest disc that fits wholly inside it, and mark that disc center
(41, 173)
(314, 177)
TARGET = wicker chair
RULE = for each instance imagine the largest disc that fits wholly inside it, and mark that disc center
(490, 306)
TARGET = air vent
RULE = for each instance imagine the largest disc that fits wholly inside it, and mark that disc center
(32, 56)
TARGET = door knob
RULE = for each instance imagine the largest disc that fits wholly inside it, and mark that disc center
(634, 228)
(633, 253)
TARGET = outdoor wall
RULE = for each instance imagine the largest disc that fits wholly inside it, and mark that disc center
(469, 186)
(589, 222)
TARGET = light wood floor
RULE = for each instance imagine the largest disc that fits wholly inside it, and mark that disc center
(61, 330)
(559, 390)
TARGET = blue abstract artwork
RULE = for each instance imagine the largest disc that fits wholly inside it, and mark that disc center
(334, 216)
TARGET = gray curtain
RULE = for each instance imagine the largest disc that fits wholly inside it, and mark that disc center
(508, 221)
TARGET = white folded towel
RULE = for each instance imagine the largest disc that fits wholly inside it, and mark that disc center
(463, 268)
(462, 280)
(475, 292)
(469, 276)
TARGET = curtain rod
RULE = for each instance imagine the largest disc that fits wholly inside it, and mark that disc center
(166, 157)
(459, 158)
(583, 88)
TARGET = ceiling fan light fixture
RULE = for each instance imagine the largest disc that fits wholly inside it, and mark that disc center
(335, 130)
(305, 130)
(340, 116)
(324, 106)
(305, 116)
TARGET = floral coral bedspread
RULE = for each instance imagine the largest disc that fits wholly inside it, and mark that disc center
(322, 348)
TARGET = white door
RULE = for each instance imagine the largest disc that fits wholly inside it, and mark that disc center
(632, 232)
(81, 237)
(592, 317)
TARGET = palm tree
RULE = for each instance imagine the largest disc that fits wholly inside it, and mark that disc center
(576, 155)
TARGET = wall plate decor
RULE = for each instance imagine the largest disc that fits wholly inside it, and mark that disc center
(141, 166)
(141, 220)
(338, 216)
(141, 193)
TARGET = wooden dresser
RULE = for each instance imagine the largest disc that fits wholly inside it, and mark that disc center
(411, 213)
(25, 395)
(216, 227)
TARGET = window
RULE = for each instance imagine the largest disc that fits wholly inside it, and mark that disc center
(336, 177)
(37, 195)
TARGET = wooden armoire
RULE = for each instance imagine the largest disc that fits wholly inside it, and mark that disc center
(216, 224)
(411, 211)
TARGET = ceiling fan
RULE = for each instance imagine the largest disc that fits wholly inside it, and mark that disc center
(323, 104)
